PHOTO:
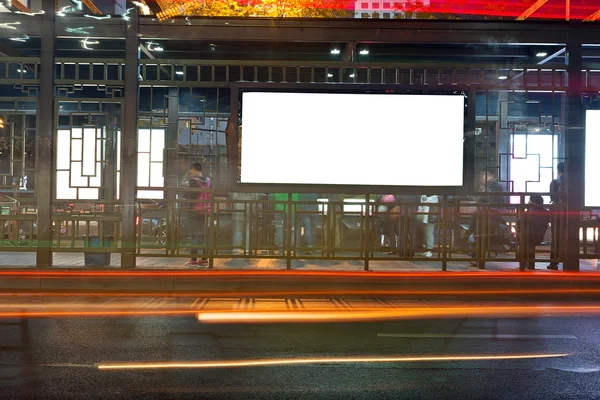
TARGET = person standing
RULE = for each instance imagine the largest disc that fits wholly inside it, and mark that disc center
(388, 223)
(307, 215)
(426, 221)
(537, 220)
(557, 191)
(199, 212)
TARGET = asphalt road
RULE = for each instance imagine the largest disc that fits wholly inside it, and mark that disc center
(59, 358)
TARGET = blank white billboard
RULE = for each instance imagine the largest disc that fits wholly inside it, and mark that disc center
(352, 139)
(592, 161)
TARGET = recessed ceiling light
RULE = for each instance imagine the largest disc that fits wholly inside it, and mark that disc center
(179, 72)
(503, 77)
(363, 52)
(335, 51)
(541, 54)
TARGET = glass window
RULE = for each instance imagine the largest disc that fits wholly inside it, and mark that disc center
(375, 6)
(364, 5)
(386, 6)
(386, 15)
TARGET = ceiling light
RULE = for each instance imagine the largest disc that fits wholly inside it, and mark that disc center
(159, 49)
(363, 52)
(22, 70)
(330, 75)
(541, 54)
(503, 77)
(335, 51)
(179, 72)
(351, 75)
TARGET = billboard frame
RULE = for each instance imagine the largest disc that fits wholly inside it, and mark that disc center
(238, 88)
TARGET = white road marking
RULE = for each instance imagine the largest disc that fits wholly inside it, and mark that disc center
(471, 336)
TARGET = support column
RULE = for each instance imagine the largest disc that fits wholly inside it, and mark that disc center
(45, 139)
(129, 122)
(171, 167)
(574, 149)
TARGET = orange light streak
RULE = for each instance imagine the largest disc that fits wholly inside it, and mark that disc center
(327, 315)
(328, 360)
(310, 293)
(315, 315)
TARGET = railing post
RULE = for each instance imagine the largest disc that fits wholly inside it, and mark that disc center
(129, 142)
(574, 150)
(368, 231)
(45, 138)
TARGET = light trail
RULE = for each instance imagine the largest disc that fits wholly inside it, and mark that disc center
(469, 275)
(308, 293)
(327, 360)
(329, 316)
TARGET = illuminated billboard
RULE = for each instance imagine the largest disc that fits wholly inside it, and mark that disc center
(592, 161)
(352, 139)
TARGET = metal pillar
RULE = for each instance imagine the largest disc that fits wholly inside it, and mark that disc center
(45, 138)
(129, 143)
(171, 167)
(574, 149)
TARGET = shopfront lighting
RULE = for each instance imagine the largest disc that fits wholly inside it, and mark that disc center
(9, 25)
(21, 39)
(22, 71)
(30, 14)
(351, 75)
(330, 75)
(85, 43)
(363, 52)
(541, 54)
(153, 46)
(503, 77)
(335, 51)
(96, 17)
(178, 72)
(63, 11)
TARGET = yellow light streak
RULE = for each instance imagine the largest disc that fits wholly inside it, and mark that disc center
(327, 315)
(326, 360)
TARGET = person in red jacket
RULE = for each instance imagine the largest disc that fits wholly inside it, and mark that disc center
(199, 211)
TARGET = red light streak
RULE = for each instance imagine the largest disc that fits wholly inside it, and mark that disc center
(486, 275)
(328, 360)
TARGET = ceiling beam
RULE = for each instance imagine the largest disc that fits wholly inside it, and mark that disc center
(534, 7)
(360, 30)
